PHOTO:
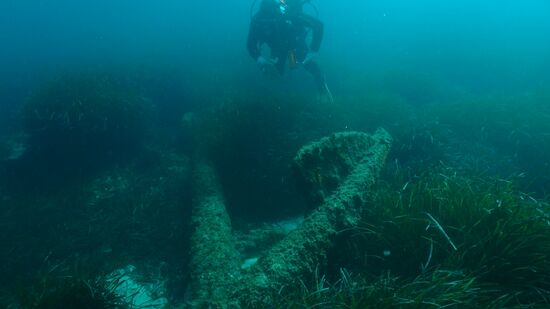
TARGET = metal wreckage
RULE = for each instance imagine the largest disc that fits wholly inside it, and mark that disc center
(335, 174)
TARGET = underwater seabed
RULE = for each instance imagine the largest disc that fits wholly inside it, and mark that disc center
(444, 207)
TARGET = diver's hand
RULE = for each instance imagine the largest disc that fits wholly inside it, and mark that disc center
(264, 64)
(268, 66)
(310, 57)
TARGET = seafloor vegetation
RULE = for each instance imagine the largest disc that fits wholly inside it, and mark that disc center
(458, 217)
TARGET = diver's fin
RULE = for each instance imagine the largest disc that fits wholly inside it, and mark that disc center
(328, 93)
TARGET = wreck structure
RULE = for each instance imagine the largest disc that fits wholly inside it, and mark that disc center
(334, 173)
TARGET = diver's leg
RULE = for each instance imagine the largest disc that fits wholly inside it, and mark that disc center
(280, 65)
(313, 68)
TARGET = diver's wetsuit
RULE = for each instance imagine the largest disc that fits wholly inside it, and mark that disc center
(285, 33)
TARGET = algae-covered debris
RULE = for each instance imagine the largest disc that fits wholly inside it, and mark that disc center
(215, 261)
(322, 166)
(356, 158)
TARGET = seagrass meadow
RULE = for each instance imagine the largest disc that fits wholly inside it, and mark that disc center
(146, 162)
(458, 215)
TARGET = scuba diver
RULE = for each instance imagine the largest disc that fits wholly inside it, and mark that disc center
(283, 26)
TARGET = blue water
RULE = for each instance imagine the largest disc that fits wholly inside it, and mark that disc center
(479, 44)
(187, 63)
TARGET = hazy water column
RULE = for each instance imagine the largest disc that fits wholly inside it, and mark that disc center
(488, 43)
(40, 38)
(477, 42)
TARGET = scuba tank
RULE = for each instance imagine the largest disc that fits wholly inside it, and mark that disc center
(300, 4)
